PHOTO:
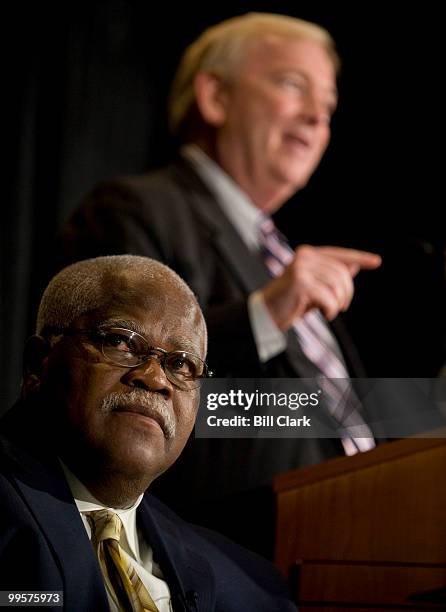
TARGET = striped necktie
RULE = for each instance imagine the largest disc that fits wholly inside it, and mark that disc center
(123, 583)
(320, 347)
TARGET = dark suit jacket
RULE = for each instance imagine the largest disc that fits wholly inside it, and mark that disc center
(171, 215)
(44, 545)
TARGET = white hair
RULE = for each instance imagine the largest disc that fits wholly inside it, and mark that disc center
(86, 286)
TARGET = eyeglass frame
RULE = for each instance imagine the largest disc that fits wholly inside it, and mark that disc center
(100, 332)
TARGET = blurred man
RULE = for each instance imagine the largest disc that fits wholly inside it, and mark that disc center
(109, 399)
(251, 103)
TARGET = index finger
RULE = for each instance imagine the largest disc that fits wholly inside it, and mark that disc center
(353, 257)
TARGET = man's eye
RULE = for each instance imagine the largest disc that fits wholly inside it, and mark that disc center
(118, 341)
(292, 84)
(181, 365)
(178, 364)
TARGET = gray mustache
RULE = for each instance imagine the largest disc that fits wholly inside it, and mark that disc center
(150, 405)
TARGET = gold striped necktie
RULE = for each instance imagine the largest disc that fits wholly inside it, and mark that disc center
(125, 586)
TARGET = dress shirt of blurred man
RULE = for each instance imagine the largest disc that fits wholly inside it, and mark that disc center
(109, 399)
(251, 104)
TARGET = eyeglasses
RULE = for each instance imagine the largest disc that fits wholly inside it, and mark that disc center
(127, 348)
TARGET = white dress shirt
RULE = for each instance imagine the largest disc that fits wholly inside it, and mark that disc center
(132, 542)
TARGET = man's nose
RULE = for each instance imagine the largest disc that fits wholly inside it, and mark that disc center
(149, 376)
(314, 110)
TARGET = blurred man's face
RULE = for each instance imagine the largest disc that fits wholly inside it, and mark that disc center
(130, 422)
(277, 124)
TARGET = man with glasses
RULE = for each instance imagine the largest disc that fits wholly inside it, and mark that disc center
(109, 398)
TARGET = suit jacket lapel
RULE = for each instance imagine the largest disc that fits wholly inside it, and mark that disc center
(245, 266)
(188, 574)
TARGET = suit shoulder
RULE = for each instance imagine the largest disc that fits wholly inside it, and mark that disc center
(164, 188)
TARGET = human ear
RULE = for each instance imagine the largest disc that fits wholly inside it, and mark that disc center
(211, 95)
(35, 355)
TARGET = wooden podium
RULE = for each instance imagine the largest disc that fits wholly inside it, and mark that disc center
(366, 532)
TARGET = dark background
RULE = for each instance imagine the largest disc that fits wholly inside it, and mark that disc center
(85, 86)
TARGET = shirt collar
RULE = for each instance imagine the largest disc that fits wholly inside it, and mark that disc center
(237, 206)
(86, 502)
